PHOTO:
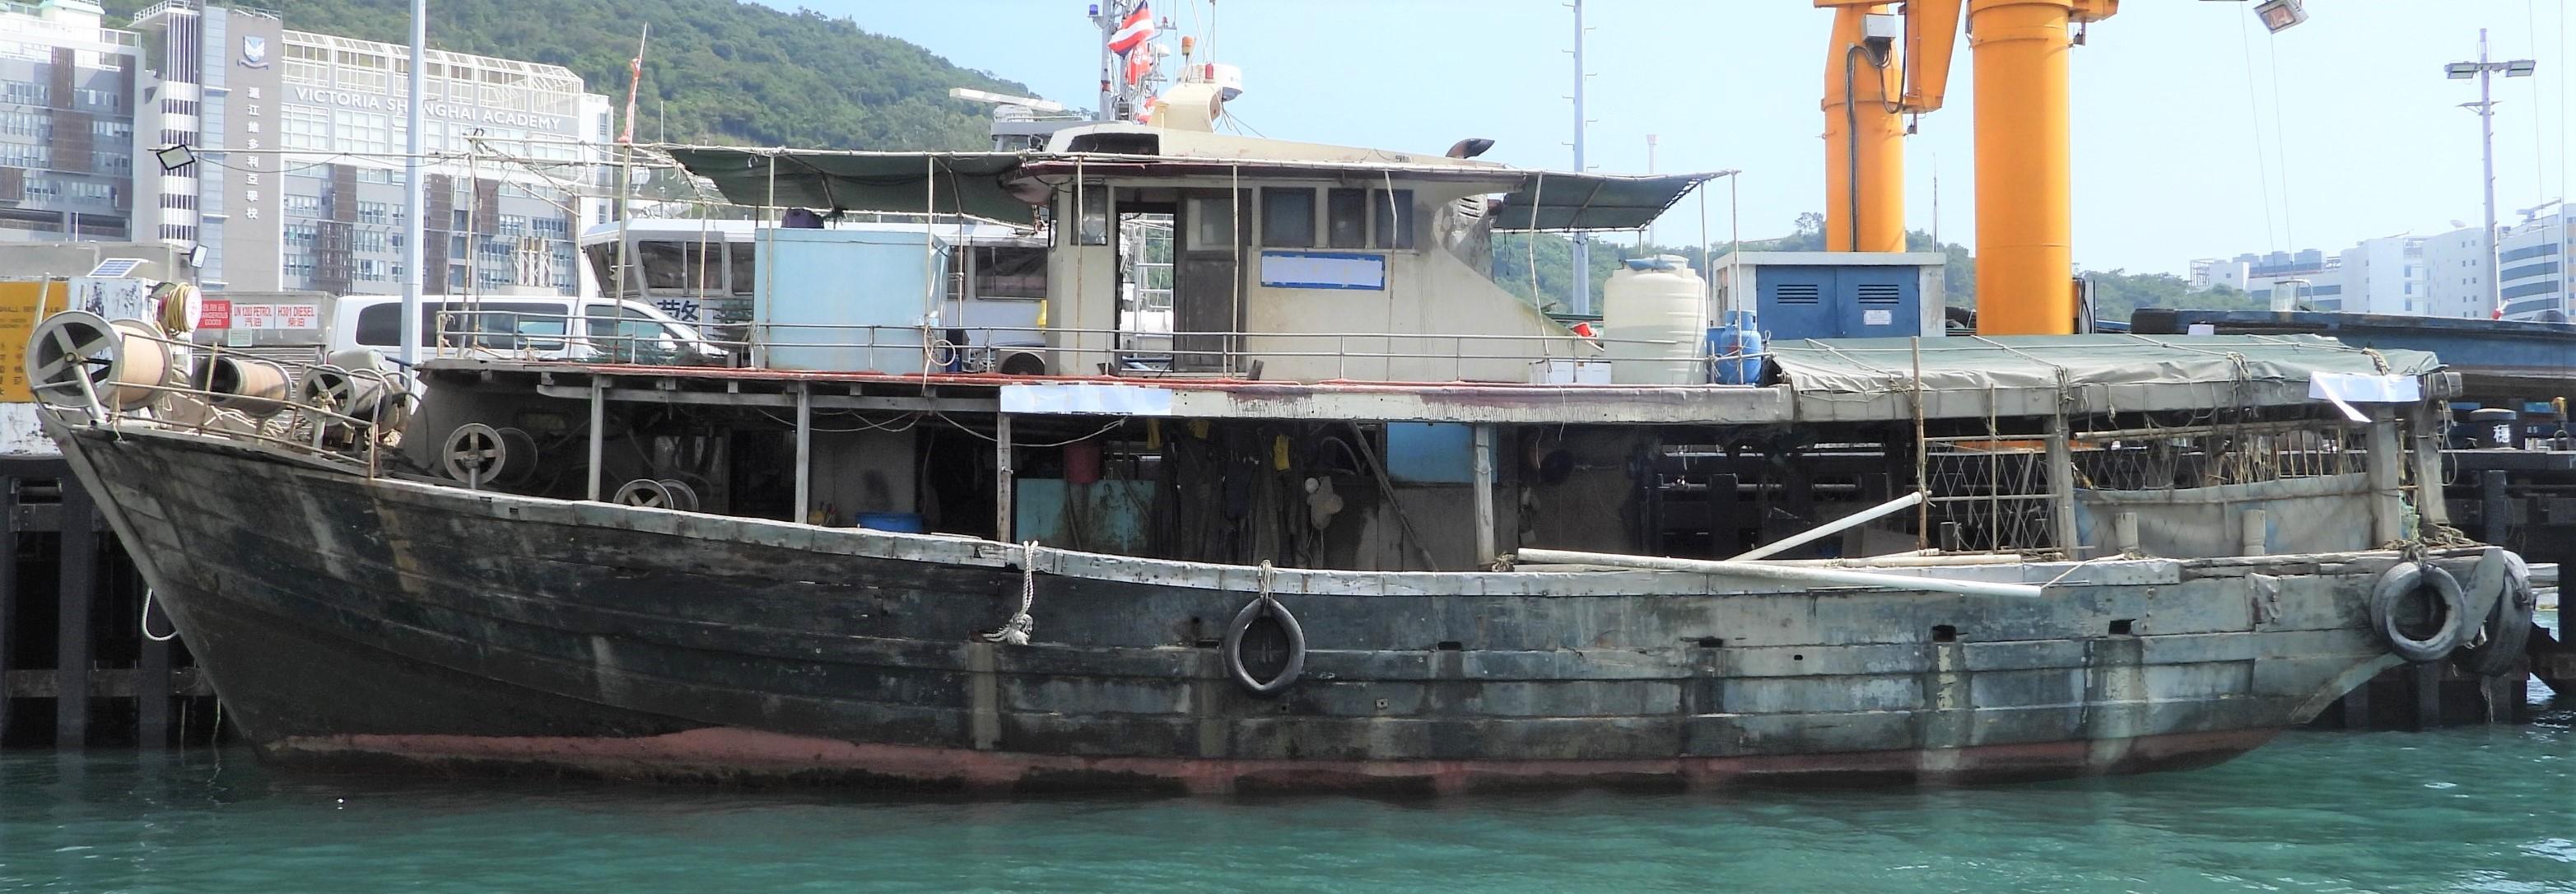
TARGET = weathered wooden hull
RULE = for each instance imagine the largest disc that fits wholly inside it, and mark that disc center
(351, 622)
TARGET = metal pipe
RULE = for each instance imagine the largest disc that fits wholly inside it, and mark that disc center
(598, 435)
(1836, 526)
(413, 276)
(1485, 533)
(1003, 474)
(804, 451)
(1828, 577)
(1581, 302)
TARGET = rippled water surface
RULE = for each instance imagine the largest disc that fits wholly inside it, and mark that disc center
(2479, 809)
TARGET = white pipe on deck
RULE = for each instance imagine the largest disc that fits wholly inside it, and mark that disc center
(1836, 526)
(1790, 573)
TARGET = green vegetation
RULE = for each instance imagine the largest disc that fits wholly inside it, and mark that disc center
(2116, 293)
(716, 71)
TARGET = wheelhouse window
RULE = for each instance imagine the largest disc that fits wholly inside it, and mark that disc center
(1287, 217)
(1346, 218)
(1091, 215)
(1394, 211)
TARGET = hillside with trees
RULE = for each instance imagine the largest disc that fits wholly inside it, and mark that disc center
(716, 71)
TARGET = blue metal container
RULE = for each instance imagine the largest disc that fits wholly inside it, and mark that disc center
(899, 522)
(1737, 348)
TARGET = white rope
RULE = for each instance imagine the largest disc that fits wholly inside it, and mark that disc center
(1016, 631)
(147, 620)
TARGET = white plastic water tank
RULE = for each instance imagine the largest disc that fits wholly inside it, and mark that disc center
(1654, 317)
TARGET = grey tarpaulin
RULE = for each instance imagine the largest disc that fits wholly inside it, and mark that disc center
(1972, 376)
(2303, 515)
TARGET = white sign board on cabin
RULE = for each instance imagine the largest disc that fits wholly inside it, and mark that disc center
(1323, 270)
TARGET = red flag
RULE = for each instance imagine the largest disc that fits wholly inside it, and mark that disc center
(1138, 63)
(634, 79)
(1133, 31)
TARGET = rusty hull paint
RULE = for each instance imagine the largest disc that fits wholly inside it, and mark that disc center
(733, 754)
(349, 621)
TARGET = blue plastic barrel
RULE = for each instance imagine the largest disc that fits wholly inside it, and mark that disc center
(900, 522)
(1737, 348)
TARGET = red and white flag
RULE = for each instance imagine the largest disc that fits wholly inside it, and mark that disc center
(1133, 31)
(1140, 62)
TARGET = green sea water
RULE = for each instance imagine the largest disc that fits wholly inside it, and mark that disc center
(2473, 809)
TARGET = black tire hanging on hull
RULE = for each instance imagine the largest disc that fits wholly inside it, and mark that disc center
(2406, 634)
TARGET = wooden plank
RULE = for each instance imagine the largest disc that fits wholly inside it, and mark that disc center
(79, 586)
(185, 682)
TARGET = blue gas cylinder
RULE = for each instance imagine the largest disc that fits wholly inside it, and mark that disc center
(1736, 348)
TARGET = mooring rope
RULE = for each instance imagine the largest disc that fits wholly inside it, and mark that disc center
(147, 620)
(1016, 631)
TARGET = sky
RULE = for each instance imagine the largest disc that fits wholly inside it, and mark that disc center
(2197, 134)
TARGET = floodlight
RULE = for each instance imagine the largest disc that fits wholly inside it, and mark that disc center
(175, 156)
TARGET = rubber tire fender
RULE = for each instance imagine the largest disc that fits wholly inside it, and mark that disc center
(2508, 625)
(2398, 582)
(1233, 648)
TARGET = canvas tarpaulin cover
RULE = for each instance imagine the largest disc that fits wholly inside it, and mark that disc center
(1977, 363)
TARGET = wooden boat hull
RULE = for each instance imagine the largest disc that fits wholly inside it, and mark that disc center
(352, 622)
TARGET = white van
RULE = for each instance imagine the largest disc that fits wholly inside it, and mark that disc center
(536, 328)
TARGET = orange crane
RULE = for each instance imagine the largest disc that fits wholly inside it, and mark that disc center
(2024, 203)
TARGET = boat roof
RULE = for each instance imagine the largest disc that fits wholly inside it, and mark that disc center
(991, 184)
(1846, 380)
(689, 229)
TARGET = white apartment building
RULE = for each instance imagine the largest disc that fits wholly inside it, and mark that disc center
(66, 124)
(300, 182)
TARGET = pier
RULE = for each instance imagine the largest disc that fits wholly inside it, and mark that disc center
(78, 670)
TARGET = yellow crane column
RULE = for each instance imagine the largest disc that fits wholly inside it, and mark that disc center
(2025, 202)
(1864, 138)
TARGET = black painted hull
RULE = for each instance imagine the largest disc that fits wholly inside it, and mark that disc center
(355, 622)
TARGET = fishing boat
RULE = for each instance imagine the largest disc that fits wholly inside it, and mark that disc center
(1359, 519)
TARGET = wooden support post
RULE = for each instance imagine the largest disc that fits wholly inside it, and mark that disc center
(1485, 534)
(2387, 495)
(2428, 695)
(8, 591)
(598, 432)
(1002, 476)
(1725, 533)
(79, 581)
(2494, 507)
(2061, 488)
(804, 453)
(2430, 506)
(2356, 706)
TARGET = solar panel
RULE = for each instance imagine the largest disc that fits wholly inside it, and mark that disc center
(113, 267)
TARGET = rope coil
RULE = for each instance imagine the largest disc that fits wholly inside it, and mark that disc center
(1016, 630)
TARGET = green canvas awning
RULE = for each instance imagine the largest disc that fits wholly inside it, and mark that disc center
(1553, 201)
(979, 183)
(946, 182)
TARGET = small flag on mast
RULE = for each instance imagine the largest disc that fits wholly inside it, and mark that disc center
(1134, 30)
(1133, 41)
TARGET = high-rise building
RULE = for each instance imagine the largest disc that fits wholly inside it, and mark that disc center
(301, 140)
(67, 141)
(2384, 276)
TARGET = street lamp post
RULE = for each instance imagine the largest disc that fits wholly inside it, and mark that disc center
(2484, 70)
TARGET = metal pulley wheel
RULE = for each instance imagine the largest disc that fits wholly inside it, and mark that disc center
(72, 359)
(479, 454)
(666, 493)
(337, 393)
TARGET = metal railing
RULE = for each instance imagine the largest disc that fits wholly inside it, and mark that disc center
(502, 334)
